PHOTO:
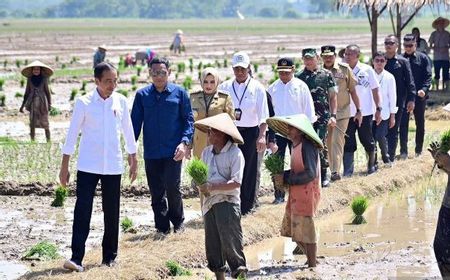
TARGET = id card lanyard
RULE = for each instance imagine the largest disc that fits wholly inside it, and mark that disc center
(238, 111)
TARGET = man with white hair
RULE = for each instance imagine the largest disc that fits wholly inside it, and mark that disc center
(251, 111)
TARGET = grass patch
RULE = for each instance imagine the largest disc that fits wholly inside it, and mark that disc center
(44, 250)
(175, 269)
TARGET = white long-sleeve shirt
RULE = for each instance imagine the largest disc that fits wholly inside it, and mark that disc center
(292, 98)
(367, 81)
(250, 97)
(101, 122)
(388, 93)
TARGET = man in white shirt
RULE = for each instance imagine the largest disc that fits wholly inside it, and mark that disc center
(290, 96)
(101, 117)
(251, 111)
(370, 101)
(388, 94)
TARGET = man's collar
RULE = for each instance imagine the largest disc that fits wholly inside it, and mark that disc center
(245, 82)
(169, 88)
(224, 148)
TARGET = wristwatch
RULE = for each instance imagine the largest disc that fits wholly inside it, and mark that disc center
(379, 109)
(185, 142)
(358, 110)
(333, 115)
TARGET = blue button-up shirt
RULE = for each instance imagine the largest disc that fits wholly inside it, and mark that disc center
(166, 117)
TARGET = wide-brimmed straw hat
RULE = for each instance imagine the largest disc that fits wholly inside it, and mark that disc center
(447, 107)
(102, 47)
(45, 69)
(221, 122)
(281, 126)
(440, 21)
(179, 31)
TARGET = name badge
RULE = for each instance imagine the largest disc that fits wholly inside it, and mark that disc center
(237, 114)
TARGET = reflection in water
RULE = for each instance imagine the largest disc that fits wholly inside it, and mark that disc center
(400, 226)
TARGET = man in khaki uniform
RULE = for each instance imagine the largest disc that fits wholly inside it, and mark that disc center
(208, 102)
(346, 83)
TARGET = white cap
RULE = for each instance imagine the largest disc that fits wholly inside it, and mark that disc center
(240, 59)
(447, 107)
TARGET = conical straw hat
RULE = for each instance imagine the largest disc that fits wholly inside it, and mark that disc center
(45, 69)
(281, 126)
(447, 107)
(440, 21)
(221, 122)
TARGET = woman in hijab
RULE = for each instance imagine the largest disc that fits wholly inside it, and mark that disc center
(37, 98)
(206, 103)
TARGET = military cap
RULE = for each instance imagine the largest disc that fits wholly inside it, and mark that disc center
(409, 38)
(328, 50)
(309, 52)
(285, 64)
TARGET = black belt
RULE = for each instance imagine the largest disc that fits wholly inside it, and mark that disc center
(242, 128)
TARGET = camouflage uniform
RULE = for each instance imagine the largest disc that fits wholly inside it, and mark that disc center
(319, 83)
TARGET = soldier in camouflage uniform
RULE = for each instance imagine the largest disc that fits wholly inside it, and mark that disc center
(323, 91)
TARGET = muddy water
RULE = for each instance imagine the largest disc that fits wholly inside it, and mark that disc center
(396, 242)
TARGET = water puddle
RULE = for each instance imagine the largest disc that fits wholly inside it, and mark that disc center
(10, 270)
(396, 241)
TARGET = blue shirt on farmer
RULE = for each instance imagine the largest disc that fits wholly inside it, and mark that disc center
(166, 117)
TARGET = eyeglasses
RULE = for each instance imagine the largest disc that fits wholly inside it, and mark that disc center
(379, 60)
(160, 73)
(389, 43)
(408, 45)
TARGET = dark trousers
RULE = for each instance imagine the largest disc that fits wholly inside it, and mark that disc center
(223, 238)
(248, 186)
(419, 118)
(86, 184)
(282, 143)
(438, 65)
(364, 134)
(441, 242)
(393, 135)
(163, 178)
(379, 133)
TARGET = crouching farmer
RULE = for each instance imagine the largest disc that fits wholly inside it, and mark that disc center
(442, 238)
(221, 207)
(303, 180)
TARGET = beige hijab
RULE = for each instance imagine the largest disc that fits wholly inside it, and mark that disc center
(210, 71)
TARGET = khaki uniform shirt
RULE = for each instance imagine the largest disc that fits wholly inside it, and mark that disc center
(220, 103)
(346, 82)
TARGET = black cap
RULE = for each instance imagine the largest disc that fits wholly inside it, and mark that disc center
(409, 38)
(309, 52)
(285, 64)
(328, 50)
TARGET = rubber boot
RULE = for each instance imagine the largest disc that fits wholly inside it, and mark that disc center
(348, 164)
(220, 275)
(324, 178)
(371, 163)
(47, 135)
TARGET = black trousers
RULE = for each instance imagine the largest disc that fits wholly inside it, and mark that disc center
(419, 118)
(364, 134)
(163, 178)
(282, 143)
(86, 184)
(379, 134)
(248, 186)
(392, 136)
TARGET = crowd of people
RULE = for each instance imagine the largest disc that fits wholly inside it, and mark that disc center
(315, 112)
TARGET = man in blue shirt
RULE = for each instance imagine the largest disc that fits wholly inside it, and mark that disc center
(164, 111)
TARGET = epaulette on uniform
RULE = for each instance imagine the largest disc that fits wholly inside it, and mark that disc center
(221, 92)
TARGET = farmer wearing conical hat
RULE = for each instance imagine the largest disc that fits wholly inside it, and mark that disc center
(37, 99)
(99, 55)
(177, 44)
(440, 43)
(441, 242)
(303, 180)
(221, 207)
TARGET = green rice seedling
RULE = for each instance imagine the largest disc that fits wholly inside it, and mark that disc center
(18, 95)
(175, 269)
(54, 111)
(207, 65)
(25, 62)
(4, 140)
(61, 194)
(200, 66)
(445, 141)
(256, 66)
(260, 75)
(74, 59)
(187, 83)
(121, 62)
(134, 80)
(83, 85)
(2, 83)
(22, 82)
(56, 58)
(191, 68)
(73, 93)
(225, 63)
(176, 76)
(44, 250)
(191, 61)
(126, 224)
(227, 78)
(359, 206)
(275, 165)
(2, 100)
(18, 63)
(138, 70)
(274, 68)
(63, 66)
(5, 63)
(198, 171)
(217, 63)
(181, 67)
(124, 92)
(134, 88)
